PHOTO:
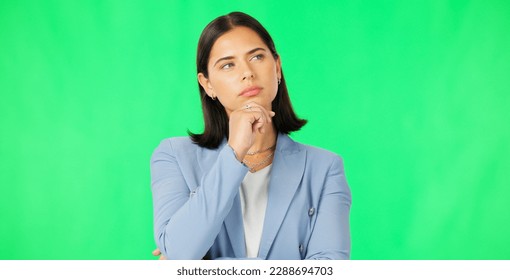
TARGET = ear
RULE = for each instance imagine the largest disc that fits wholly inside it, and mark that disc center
(206, 85)
(278, 68)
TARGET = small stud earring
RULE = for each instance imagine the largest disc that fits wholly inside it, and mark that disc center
(279, 81)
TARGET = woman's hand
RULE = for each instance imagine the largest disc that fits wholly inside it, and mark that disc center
(157, 252)
(244, 123)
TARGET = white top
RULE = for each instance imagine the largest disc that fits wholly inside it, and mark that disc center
(253, 191)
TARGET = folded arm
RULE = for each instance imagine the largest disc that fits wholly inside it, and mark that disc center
(187, 222)
(330, 238)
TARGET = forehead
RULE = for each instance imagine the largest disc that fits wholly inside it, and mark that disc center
(237, 41)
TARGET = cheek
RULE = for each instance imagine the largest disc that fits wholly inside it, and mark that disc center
(225, 89)
(273, 75)
(272, 71)
(223, 83)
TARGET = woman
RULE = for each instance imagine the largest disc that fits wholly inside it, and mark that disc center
(243, 188)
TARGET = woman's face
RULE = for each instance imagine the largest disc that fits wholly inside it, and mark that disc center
(241, 70)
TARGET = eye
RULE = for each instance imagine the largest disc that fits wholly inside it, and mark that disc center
(258, 57)
(227, 65)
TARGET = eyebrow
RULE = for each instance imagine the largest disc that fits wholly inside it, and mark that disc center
(231, 57)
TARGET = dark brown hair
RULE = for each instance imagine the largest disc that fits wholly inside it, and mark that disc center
(215, 117)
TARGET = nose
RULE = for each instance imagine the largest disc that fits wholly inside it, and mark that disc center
(248, 76)
(248, 73)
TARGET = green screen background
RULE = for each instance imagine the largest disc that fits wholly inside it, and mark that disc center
(414, 95)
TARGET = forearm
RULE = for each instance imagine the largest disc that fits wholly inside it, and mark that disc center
(186, 223)
(330, 237)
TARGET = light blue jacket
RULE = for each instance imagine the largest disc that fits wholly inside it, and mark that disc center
(197, 209)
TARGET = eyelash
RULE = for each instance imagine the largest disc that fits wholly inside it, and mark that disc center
(224, 66)
(260, 56)
(230, 64)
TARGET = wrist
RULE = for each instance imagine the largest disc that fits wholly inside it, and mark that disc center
(236, 155)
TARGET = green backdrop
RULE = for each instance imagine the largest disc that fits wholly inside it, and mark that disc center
(413, 94)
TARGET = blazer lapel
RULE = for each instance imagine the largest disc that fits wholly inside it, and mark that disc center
(286, 174)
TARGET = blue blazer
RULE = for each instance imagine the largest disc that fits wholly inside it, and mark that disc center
(197, 209)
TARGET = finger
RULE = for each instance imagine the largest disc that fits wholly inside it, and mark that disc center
(256, 115)
(261, 123)
(260, 126)
(162, 257)
(266, 112)
(262, 129)
(156, 252)
(267, 115)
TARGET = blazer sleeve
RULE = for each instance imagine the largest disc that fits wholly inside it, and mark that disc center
(330, 238)
(186, 222)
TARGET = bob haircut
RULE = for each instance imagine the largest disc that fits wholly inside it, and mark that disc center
(215, 117)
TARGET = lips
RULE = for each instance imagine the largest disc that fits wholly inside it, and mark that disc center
(250, 91)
